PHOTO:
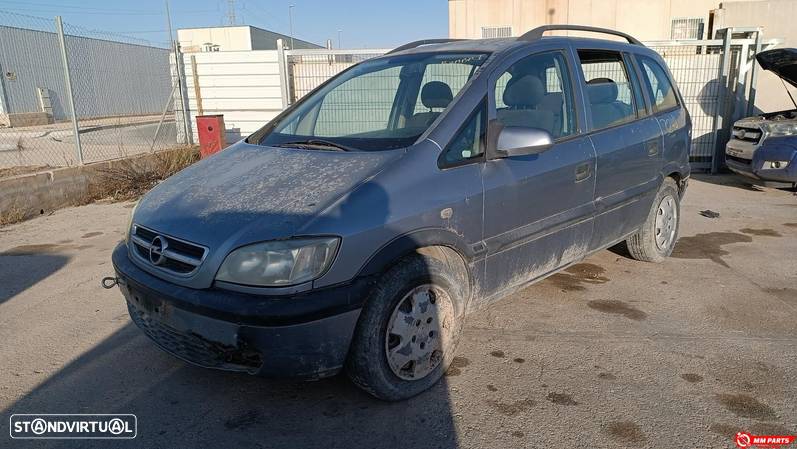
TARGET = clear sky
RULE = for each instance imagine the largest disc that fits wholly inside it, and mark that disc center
(364, 23)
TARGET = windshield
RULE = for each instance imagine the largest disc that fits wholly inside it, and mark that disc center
(380, 104)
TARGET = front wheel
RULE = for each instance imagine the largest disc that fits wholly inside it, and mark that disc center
(656, 239)
(409, 328)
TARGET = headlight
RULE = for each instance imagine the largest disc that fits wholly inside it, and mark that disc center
(780, 129)
(130, 221)
(279, 263)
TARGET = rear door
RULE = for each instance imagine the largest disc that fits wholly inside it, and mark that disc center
(627, 143)
(538, 208)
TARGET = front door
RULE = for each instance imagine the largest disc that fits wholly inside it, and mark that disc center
(538, 208)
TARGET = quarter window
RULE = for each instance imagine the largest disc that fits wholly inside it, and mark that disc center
(658, 84)
(470, 140)
(609, 90)
(535, 92)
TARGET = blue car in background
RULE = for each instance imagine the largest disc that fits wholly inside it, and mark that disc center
(764, 147)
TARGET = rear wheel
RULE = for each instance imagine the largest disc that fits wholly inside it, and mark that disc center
(409, 328)
(656, 239)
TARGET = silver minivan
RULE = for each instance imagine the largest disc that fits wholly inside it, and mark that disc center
(358, 228)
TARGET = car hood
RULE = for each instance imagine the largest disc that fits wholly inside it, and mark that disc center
(250, 193)
(782, 62)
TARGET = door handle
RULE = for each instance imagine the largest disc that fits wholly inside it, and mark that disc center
(583, 171)
(653, 148)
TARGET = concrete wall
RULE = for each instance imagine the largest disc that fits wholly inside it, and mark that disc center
(777, 17)
(646, 20)
(108, 78)
(244, 86)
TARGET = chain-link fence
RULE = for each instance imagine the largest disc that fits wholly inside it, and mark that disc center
(118, 88)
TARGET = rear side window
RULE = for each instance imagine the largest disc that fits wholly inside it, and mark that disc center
(658, 84)
(609, 91)
(535, 92)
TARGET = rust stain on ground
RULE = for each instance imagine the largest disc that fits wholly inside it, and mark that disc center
(761, 232)
(41, 248)
(626, 431)
(561, 399)
(616, 307)
(746, 406)
(708, 246)
(511, 408)
(457, 363)
(691, 377)
(573, 278)
(724, 429)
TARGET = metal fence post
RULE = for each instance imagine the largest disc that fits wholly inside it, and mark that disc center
(283, 68)
(754, 74)
(182, 85)
(68, 82)
(720, 119)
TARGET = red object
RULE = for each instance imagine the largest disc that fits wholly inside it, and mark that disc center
(212, 136)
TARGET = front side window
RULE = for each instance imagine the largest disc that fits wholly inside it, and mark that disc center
(535, 92)
(379, 104)
(469, 142)
(658, 84)
(609, 90)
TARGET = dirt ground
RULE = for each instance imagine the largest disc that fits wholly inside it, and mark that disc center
(610, 353)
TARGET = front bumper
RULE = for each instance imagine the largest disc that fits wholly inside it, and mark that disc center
(303, 336)
(772, 149)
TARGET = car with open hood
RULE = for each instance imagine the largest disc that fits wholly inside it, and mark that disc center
(358, 228)
(764, 147)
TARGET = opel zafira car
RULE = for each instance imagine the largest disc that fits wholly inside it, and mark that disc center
(357, 229)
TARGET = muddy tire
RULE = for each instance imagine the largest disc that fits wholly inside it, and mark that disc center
(409, 327)
(656, 238)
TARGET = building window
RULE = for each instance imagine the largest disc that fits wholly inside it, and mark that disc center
(493, 32)
(687, 28)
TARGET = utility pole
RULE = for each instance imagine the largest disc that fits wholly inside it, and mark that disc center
(290, 19)
(169, 21)
(231, 12)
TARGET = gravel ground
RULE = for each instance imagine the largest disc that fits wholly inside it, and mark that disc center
(610, 353)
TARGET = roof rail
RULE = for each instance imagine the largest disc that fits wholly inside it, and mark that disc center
(422, 42)
(537, 33)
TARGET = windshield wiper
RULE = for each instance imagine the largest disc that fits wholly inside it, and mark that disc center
(316, 143)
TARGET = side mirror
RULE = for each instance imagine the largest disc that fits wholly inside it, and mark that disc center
(508, 141)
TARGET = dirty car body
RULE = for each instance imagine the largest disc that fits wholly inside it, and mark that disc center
(764, 147)
(458, 152)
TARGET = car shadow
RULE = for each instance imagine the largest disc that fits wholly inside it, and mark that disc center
(22, 269)
(179, 405)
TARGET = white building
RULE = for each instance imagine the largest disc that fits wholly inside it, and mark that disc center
(234, 38)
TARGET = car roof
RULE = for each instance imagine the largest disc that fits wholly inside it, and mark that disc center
(501, 45)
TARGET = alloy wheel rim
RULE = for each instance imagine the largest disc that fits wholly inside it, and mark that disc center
(419, 332)
(666, 222)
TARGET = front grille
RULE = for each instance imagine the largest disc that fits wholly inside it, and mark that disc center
(752, 135)
(738, 159)
(195, 349)
(179, 256)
